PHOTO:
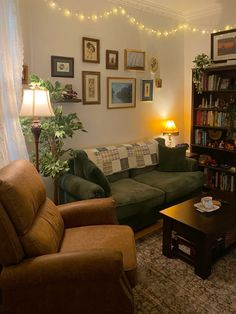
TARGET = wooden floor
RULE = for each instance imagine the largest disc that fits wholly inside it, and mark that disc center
(149, 230)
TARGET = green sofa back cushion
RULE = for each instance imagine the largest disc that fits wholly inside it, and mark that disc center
(172, 158)
(87, 169)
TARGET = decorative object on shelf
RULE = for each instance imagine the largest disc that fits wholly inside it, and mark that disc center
(91, 87)
(154, 64)
(135, 60)
(121, 92)
(158, 82)
(223, 46)
(201, 62)
(169, 128)
(36, 103)
(146, 88)
(25, 75)
(91, 50)
(215, 134)
(57, 92)
(62, 66)
(112, 59)
(54, 130)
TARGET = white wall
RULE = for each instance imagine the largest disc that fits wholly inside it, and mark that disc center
(47, 32)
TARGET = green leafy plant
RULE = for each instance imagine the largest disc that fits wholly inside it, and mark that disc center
(57, 91)
(201, 62)
(54, 131)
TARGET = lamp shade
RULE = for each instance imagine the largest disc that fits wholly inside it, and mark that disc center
(169, 127)
(36, 103)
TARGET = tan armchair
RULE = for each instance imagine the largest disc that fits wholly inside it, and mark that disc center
(69, 259)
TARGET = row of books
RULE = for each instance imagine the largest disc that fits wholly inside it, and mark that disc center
(201, 137)
(216, 82)
(212, 118)
(219, 180)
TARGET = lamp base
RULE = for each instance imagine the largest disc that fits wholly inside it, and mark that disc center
(36, 130)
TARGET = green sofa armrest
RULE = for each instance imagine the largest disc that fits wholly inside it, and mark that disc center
(80, 188)
(191, 164)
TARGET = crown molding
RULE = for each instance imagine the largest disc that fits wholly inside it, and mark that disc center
(153, 7)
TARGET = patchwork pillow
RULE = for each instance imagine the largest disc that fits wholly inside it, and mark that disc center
(172, 158)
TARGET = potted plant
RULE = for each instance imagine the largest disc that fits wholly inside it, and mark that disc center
(54, 130)
(201, 62)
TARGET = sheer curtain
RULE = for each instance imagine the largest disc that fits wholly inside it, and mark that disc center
(12, 143)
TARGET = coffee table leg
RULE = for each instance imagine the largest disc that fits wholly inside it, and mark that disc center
(166, 241)
(203, 258)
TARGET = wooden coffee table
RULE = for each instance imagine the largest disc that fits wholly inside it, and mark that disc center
(201, 229)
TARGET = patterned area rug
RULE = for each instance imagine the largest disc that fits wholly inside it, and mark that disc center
(170, 285)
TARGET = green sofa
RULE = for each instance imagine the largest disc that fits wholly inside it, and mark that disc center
(140, 192)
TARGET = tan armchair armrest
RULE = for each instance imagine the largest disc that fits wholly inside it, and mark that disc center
(63, 269)
(100, 211)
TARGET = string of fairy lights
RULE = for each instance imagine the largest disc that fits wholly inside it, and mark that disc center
(95, 17)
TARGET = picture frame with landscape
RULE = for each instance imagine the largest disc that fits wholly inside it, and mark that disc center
(135, 60)
(223, 46)
(121, 92)
(62, 66)
(91, 50)
(112, 59)
(91, 87)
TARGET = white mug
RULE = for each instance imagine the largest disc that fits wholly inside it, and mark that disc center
(207, 202)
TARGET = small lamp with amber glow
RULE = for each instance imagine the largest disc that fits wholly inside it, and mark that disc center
(36, 103)
(169, 128)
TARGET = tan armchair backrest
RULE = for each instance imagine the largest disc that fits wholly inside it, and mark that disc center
(30, 223)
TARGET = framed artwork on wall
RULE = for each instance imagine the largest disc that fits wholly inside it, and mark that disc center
(91, 87)
(223, 45)
(62, 66)
(112, 59)
(121, 92)
(146, 90)
(135, 60)
(91, 50)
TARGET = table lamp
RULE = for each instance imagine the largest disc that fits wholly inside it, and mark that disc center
(36, 103)
(170, 129)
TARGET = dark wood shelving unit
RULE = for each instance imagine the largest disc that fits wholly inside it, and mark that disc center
(214, 125)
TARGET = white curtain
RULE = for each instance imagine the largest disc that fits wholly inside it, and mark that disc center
(12, 143)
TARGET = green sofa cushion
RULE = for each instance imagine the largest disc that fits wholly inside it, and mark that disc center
(88, 170)
(172, 158)
(133, 197)
(174, 184)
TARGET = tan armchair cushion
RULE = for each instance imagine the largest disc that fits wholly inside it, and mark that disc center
(21, 193)
(11, 251)
(114, 237)
(44, 236)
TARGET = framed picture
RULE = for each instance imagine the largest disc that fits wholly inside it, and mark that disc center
(121, 92)
(223, 45)
(135, 60)
(25, 75)
(62, 66)
(112, 59)
(91, 50)
(146, 90)
(91, 87)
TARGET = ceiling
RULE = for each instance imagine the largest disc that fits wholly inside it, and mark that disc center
(182, 9)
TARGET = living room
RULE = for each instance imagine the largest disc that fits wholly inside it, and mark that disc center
(172, 33)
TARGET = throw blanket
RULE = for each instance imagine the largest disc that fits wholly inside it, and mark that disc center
(112, 159)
